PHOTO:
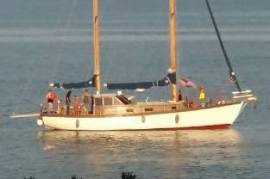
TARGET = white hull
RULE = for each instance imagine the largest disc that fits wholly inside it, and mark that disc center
(219, 116)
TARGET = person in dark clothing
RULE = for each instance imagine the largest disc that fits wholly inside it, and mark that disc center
(68, 101)
(179, 95)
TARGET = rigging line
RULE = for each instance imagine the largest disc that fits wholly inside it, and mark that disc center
(87, 68)
(28, 82)
(24, 87)
(62, 45)
(20, 99)
(232, 73)
(28, 85)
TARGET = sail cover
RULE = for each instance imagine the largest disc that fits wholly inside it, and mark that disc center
(169, 79)
(75, 85)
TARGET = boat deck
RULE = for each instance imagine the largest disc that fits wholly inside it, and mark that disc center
(140, 108)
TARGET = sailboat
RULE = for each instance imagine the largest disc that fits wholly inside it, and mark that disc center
(115, 111)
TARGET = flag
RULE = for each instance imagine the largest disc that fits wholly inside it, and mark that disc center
(187, 83)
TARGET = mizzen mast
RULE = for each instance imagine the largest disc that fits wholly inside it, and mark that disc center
(96, 45)
(172, 63)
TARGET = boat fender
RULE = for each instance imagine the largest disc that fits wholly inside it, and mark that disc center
(143, 119)
(77, 123)
(40, 122)
(176, 118)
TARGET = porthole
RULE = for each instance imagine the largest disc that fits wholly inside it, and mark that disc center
(176, 118)
(130, 110)
(148, 109)
(143, 119)
(77, 123)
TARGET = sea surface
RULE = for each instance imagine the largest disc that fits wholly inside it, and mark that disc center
(44, 41)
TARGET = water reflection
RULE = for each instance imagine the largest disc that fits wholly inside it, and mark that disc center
(150, 154)
(58, 138)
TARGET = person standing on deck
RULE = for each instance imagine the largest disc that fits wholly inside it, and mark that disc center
(51, 99)
(76, 106)
(85, 98)
(59, 107)
(202, 95)
(68, 101)
(180, 98)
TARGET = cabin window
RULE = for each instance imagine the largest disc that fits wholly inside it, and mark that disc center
(148, 109)
(116, 101)
(123, 99)
(98, 101)
(130, 110)
(108, 101)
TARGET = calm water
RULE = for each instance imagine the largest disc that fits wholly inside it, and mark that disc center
(42, 41)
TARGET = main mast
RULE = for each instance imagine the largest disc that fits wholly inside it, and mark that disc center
(172, 67)
(96, 45)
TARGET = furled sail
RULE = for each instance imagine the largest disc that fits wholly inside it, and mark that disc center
(169, 79)
(76, 85)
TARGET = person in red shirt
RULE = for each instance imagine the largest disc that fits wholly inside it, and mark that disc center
(51, 99)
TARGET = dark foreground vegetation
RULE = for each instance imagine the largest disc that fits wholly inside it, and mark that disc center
(124, 175)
